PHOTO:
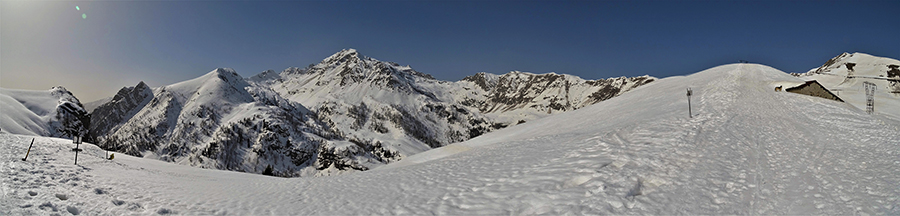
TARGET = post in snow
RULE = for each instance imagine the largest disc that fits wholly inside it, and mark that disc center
(29, 150)
(689, 93)
(77, 141)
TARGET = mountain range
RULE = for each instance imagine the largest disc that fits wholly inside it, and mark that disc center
(348, 112)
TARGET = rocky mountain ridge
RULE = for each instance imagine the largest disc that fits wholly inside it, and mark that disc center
(519, 96)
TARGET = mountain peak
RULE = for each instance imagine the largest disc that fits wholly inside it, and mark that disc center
(64, 95)
(141, 85)
(226, 71)
(349, 51)
(485, 80)
(58, 89)
(342, 56)
(225, 74)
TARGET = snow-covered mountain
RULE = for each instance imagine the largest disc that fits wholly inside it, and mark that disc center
(380, 103)
(748, 150)
(54, 113)
(845, 74)
(371, 101)
(220, 121)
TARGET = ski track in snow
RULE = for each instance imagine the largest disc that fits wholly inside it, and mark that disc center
(747, 150)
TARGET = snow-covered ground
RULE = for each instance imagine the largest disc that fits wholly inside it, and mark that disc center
(747, 150)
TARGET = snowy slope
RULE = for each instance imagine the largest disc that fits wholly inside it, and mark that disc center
(747, 150)
(845, 74)
(44, 113)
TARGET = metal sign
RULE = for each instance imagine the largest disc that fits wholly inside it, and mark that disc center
(870, 97)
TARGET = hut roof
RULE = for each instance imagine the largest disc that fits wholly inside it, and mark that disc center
(811, 82)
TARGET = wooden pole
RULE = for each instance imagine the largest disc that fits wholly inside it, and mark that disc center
(29, 150)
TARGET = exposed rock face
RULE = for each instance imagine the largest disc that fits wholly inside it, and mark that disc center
(121, 107)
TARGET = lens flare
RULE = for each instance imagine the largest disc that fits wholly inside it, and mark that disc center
(76, 8)
(83, 16)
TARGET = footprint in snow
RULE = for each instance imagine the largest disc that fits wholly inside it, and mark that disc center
(49, 206)
(118, 202)
(73, 210)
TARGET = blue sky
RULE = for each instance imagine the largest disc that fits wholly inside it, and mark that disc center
(43, 44)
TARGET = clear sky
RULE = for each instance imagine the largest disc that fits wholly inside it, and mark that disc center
(117, 44)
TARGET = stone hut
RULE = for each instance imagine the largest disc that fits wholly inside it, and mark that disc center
(813, 88)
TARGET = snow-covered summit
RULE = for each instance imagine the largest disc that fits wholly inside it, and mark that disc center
(344, 55)
(218, 84)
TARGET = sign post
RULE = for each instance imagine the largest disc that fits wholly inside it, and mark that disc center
(689, 93)
(77, 141)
